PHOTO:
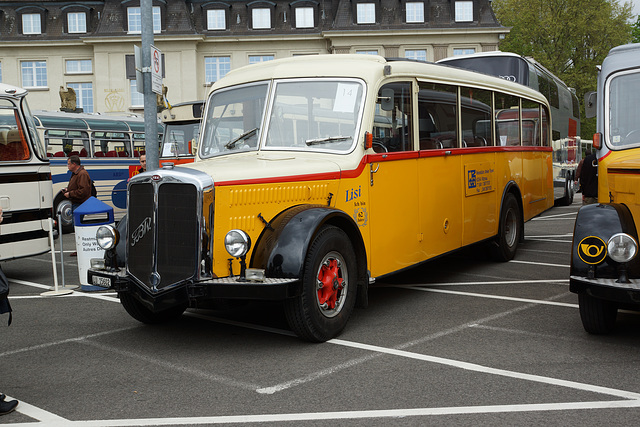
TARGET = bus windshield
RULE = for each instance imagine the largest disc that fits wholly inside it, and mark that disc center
(624, 110)
(305, 114)
(38, 144)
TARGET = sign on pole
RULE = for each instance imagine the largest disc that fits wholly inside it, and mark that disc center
(156, 70)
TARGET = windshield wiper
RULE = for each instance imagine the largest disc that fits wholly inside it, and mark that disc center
(327, 139)
(242, 137)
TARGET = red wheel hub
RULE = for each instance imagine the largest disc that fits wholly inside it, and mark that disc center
(329, 283)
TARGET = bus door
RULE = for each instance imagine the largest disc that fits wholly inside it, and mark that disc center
(439, 170)
(394, 215)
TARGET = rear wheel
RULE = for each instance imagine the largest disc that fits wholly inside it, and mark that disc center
(598, 316)
(328, 288)
(144, 315)
(505, 246)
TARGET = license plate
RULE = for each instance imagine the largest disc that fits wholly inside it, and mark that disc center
(104, 282)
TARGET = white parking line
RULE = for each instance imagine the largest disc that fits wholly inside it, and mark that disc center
(344, 415)
(546, 264)
(473, 294)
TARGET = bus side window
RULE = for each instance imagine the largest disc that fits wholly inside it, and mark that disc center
(530, 123)
(394, 117)
(437, 116)
(476, 117)
(507, 119)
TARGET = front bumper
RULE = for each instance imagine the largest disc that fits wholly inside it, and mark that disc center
(227, 287)
(607, 289)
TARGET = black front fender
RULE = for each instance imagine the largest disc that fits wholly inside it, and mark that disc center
(595, 224)
(282, 247)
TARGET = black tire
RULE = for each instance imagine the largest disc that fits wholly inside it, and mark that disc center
(598, 316)
(144, 315)
(321, 311)
(506, 244)
(567, 199)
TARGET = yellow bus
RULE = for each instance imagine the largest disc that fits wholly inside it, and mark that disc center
(605, 271)
(317, 175)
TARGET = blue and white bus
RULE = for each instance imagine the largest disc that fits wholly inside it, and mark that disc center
(109, 148)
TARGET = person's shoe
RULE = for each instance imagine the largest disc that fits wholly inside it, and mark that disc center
(74, 254)
(7, 407)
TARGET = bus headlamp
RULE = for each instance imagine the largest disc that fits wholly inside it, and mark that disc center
(622, 247)
(107, 237)
(237, 243)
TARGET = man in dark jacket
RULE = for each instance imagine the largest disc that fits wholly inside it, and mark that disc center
(589, 179)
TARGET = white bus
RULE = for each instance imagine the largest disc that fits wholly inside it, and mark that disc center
(565, 108)
(109, 148)
(25, 179)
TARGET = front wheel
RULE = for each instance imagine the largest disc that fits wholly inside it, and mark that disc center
(505, 246)
(144, 315)
(598, 316)
(328, 288)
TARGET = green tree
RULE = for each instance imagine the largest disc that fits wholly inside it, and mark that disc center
(568, 37)
(635, 31)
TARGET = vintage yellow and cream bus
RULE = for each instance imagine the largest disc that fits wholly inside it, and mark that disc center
(317, 175)
(181, 132)
(605, 269)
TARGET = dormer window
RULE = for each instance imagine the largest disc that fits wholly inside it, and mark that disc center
(76, 22)
(31, 23)
(366, 13)
(134, 20)
(216, 19)
(261, 18)
(414, 12)
(304, 17)
(464, 11)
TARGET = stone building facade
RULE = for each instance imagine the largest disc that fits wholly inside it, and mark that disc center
(49, 45)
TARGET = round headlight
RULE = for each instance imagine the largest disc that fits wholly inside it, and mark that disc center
(622, 247)
(107, 237)
(237, 243)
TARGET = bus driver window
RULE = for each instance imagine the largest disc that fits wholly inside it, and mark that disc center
(392, 128)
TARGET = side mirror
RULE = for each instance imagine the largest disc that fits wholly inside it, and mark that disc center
(386, 99)
(590, 104)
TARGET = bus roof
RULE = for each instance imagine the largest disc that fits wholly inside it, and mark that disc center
(6, 89)
(621, 58)
(370, 68)
(94, 122)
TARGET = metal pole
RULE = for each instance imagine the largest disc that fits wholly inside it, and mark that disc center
(150, 105)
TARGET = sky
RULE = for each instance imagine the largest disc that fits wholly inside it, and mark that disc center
(636, 6)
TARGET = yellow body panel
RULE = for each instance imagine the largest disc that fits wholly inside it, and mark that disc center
(619, 179)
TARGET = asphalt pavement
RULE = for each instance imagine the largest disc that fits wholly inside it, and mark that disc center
(460, 340)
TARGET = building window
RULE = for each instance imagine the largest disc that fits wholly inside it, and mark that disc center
(31, 23)
(464, 51)
(78, 66)
(261, 18)
(464, 11)
(415, 12)
(134, 19)
(137, 98)
(366, 13)
(216, 19)
(367, 52)
(34, 73)
(418, 55)
(254, 59)
(304, 17)
(77, 22)
(216, 67)
(84, 96)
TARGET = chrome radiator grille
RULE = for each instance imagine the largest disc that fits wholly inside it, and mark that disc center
(162, 232)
